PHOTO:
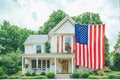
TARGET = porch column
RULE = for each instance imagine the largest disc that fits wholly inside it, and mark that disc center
(22, 65)
(72, 64)
(36, 62)
(55, 64)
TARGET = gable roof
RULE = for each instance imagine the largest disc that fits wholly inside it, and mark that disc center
(67, 18)
(36, 39)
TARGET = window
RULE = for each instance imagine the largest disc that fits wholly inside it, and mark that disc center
(33, 63)
(48, 63)
(68, 44)
(44, 65)
(67, 41)
(39, 63)
(38, 48)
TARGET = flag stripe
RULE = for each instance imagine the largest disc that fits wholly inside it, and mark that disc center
(94, 47)
(83, 54)
(90, 42)
(75, 53)
(78, 53)
(99, 38)
(103, 52)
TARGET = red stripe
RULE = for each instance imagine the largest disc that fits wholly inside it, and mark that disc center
(79, 54)
(94, 46)
(57, 44)
(87, 56)
(99, 31)
(103, 46)
(75, 53)
(90, 46)
(62, 44)
(83, 55)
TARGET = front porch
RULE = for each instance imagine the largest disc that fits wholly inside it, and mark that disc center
(52, 62)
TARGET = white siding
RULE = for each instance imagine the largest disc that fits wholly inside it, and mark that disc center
(31, 49)
(53, 44)
(67, 27)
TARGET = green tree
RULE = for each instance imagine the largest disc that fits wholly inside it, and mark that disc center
(116, 62)
(10, 62)
(12, 37)
(107, 53)
(53, 20)
(87, 18)
(47, 47)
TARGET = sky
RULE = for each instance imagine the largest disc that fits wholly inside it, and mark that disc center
(32, 14)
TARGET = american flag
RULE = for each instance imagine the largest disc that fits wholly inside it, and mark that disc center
(89, 45)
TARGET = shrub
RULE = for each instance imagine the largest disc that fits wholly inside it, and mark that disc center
(111, 76)
(95, 72)
(84, 75)
(28, 74)
(4, 77)
(43, 73)
(107, 69)
(75, 75)
(50, 75)
(2, 72)
(33, 74)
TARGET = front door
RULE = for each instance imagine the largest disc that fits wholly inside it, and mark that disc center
(64, 66)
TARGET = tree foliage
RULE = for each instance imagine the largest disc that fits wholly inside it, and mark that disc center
(116, 62)
(12, 37)
(107, 53)
(87, 18)
(11, 62)
(53, 20)
(47, 47)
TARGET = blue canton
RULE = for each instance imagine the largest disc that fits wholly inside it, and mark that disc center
(81, 34)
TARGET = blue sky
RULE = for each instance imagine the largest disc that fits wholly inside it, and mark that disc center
(32, 14)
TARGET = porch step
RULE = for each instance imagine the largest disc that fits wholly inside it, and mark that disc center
(62, 76)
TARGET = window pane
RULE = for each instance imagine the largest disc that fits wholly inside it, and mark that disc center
(44, 65)
(33, 63)
(39, 63)
(67, 41)
(38, 48)
(48, 63)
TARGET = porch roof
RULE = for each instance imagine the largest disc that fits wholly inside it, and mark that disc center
(50, 55)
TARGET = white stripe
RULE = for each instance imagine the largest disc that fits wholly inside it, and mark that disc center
(85, 56)
(81, 54)
(97, 46)
(101, 47)
(93, 47)
(89, 46)
(77, 53)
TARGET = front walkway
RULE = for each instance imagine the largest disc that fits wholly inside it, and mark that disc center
(62, 76)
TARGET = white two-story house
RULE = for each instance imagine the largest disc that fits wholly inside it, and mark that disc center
(61, 56)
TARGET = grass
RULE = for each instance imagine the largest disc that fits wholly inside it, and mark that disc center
(108, 75)
(33, 77)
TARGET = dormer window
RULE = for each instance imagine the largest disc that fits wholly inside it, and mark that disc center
(38, 49)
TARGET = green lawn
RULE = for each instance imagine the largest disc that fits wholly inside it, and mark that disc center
(108, 75)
